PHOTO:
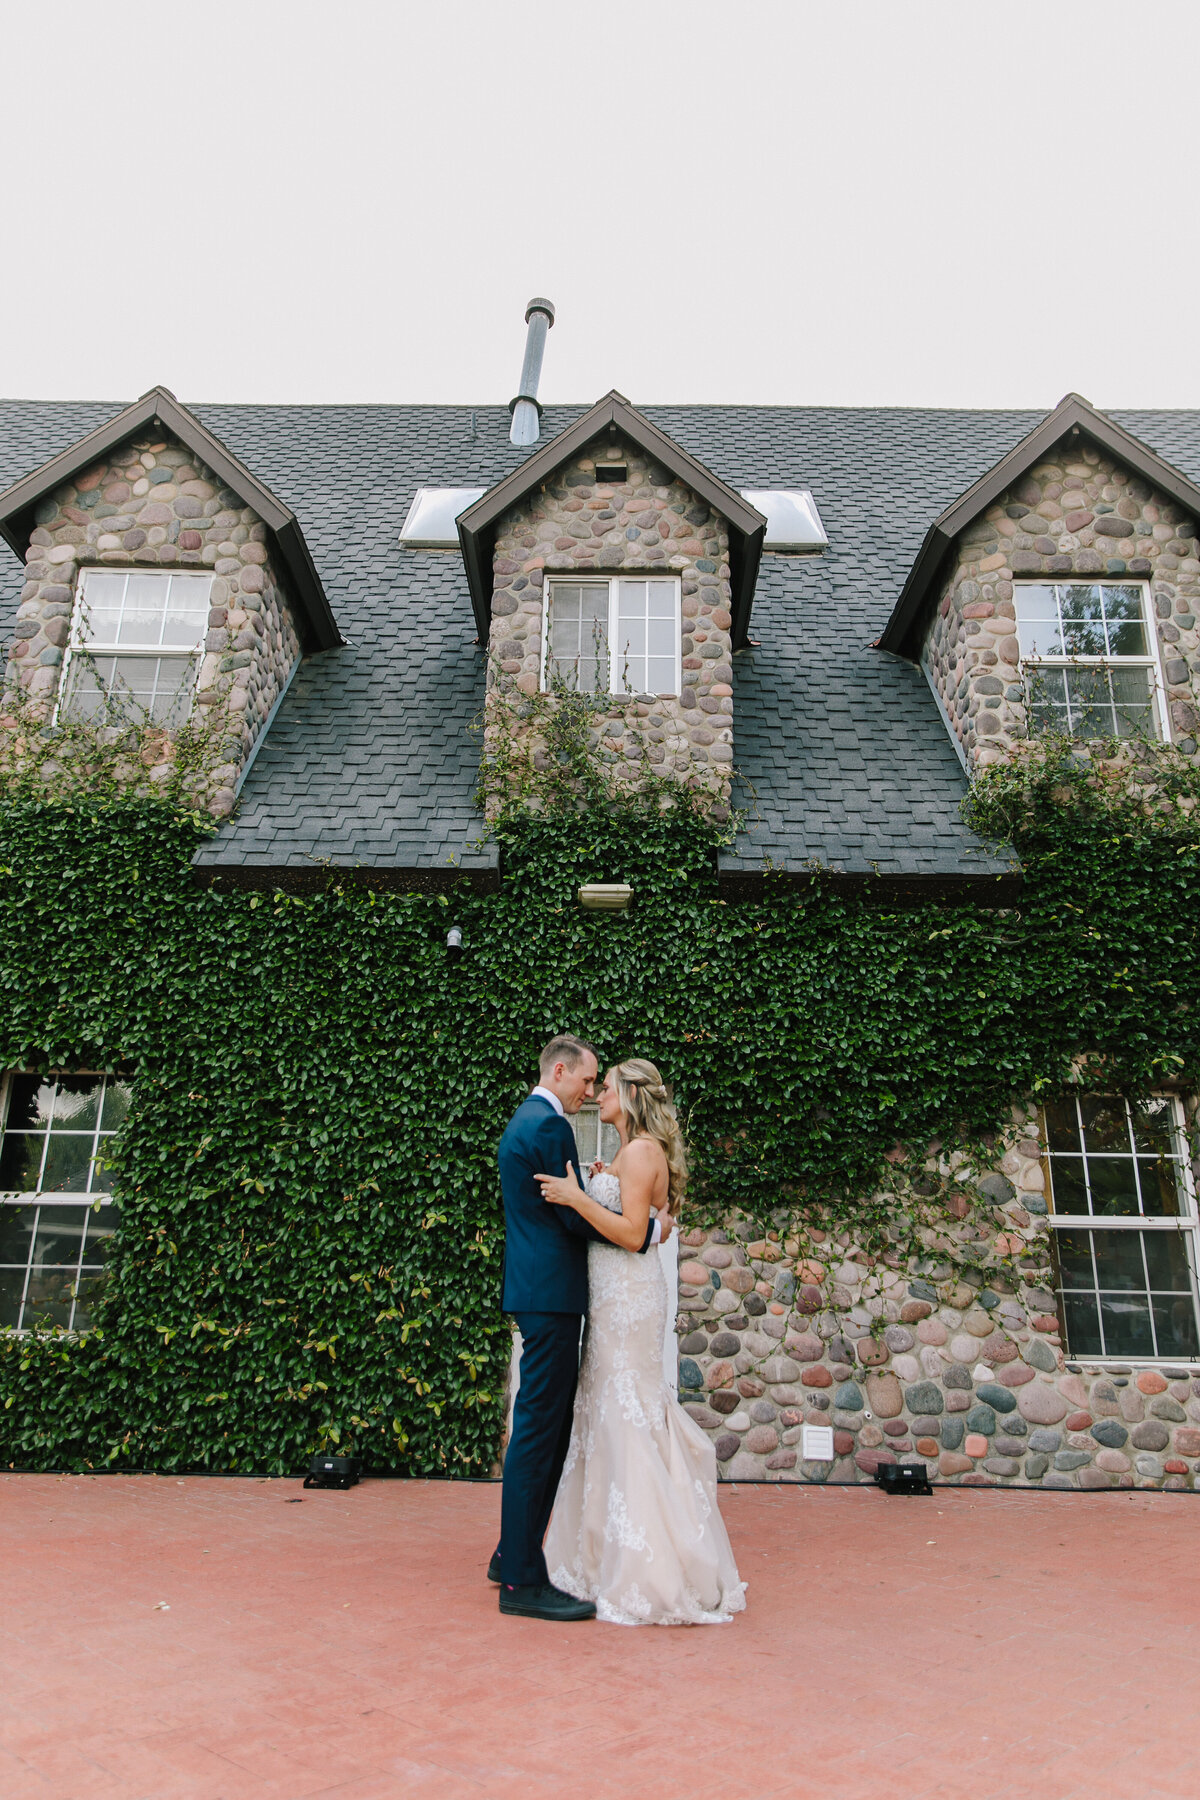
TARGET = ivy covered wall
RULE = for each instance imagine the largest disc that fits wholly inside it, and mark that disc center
(311, 1230)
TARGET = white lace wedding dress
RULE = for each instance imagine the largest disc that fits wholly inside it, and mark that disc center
(636, 1526)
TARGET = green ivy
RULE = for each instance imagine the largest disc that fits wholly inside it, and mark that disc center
(310, 1243)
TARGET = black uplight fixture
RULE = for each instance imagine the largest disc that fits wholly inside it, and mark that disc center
(903, 1478)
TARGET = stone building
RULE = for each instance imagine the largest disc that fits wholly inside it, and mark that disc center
(831, 618)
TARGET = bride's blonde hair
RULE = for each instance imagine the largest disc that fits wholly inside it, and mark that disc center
(649, 1111)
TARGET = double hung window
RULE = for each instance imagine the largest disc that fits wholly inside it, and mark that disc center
(56, 1217)
(614, 636)
(1124, 1222)
(135, 647)
(595, 1139)
(1089, 659)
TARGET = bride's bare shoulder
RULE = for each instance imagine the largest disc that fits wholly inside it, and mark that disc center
(643, 1154)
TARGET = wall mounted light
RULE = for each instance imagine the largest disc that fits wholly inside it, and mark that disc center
(605, 896)
(454, 942)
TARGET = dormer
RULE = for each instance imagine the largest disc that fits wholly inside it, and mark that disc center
(1060, 594)
(161, 577)
(613, 562)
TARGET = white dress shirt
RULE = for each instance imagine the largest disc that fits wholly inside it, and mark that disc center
(545, 1094)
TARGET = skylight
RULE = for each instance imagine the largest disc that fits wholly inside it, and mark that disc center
(430, 524)
(793, 522)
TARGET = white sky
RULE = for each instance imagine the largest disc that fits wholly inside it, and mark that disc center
(893, 202)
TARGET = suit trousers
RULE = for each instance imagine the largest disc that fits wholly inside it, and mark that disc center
(541, 1432)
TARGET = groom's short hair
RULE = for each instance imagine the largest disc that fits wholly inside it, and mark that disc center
(565, 1048)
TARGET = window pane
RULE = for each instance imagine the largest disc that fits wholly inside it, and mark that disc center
(1160, 1188)
(12, 1287)
(1126, 1323)
(1175, 1324)
(59, 1235)
(1089, 703)
(1127, 639)
(1133, 690)
(1119, 1260)
(1114, 1191)
(660, 637)
(1067, 1184)
(632, 638)
(20, 1161)
(186, 618)
(91, 1286)
(1062, 1126)
(50, 1298)
(30, 1100)
(145, 605)
(660, 675)
(1037, 621)
(585, 1124)
(660, 599)
(579, 634)
(68, 1164)
(101, 1226)
(1075, 1258)
(1082, 1317)
(16, 1233)
(1105, 1124)
(1166, 1260)
(631, 599)
(87, 690)
(77, 1102)
(118, 1096)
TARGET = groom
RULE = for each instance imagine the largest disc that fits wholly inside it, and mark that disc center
(546, 1288)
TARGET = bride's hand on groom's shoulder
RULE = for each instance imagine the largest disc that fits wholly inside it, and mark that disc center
(598, 1167)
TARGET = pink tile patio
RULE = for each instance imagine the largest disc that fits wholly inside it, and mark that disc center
(201, 1639)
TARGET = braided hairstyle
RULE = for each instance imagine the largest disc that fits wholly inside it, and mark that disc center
(649, 1112)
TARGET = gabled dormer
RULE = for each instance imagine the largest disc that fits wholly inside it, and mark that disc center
(1061, 593)
(161, 577)
(614, 562)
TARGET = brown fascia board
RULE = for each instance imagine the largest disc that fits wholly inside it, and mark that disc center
(477, 526)
(1072, 415)
(19, 503)
(1000, 890)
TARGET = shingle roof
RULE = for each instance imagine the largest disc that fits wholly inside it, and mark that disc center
(371, 760)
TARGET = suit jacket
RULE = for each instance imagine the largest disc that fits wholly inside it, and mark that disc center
(545, 1247)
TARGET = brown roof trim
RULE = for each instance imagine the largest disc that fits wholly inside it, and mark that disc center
(883, 888)
(477, 526)
(1073, 415)
(318, 877)
(18, 503)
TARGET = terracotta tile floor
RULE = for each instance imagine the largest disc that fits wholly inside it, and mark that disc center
(1041, 1645)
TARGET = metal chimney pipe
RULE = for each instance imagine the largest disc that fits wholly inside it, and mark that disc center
(526, 425)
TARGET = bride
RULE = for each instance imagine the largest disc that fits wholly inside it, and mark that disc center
(636, 1526)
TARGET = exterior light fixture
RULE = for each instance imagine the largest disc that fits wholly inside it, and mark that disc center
(454, 942)
(605, 896)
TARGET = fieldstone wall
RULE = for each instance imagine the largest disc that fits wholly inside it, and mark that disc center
(151, 503)
(649, 524)
(1080, 515)
(963, 1370)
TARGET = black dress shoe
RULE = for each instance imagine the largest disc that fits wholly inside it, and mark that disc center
(544, 1601)
(493, 1573)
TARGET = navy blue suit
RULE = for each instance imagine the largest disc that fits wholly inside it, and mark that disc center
(546, 1288)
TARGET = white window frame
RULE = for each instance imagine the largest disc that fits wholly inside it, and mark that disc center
(613, 582)
(97, 1200)
(78, 645)
(1153, 661)
(1186, 1224)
